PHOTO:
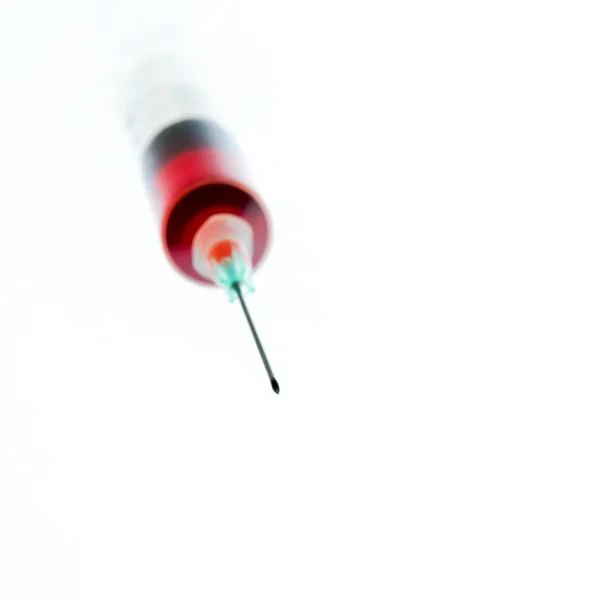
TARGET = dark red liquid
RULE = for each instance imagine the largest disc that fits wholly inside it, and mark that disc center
(193, 170)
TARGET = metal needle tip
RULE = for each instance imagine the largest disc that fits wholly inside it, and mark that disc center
(275, 385)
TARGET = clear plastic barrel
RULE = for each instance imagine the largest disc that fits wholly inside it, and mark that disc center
(166, 74)
(160, 92)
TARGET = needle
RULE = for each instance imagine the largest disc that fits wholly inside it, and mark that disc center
(274, 383)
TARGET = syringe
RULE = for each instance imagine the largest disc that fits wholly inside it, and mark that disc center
(215, 229)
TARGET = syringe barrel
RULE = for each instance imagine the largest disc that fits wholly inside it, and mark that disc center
(192, 166)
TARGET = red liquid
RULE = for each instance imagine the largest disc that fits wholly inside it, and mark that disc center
(195, 183)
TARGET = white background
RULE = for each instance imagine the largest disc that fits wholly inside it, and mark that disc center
(430, 306)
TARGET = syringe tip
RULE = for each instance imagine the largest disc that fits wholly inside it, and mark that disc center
(275, 385)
